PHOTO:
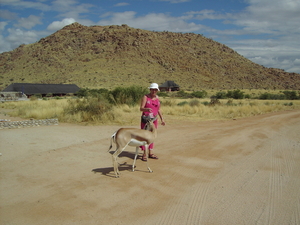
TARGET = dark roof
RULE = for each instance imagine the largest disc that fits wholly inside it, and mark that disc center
(31, 89)
(168, 84)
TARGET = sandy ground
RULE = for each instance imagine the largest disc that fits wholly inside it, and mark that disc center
(244, 171)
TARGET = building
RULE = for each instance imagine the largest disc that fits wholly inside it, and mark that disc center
(169, 86)
(42, 89)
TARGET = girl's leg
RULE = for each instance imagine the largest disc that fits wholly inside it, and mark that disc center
(151, 146)
(142, 127)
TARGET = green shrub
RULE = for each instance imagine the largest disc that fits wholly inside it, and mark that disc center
(91, 107)
(38, 95)
(163, 94)
(290, 95)
(130, 96)
(99, 92)
(183, 94)
(182, 103)
(120, 95)
(206, 103)
(236, 94)
(221, 95)
(268, 96)
(199, 94)
(83, 92)
(248, 96)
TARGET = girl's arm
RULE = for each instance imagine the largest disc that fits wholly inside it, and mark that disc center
(161, 118)
(143, 103)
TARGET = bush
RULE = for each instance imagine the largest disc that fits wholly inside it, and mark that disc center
(88, 108)
(236, 94)
(199, 94)
(38, 95)
(268, 96)
(248, 96)
(83, 92)
(220, 95)
(183, 94)
(130, 96)
(120, 95)
(290, 95)
(163, 94)
(182, 103)
(206, 103)
(99, 92)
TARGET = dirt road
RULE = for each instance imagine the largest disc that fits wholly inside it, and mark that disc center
(244, 171)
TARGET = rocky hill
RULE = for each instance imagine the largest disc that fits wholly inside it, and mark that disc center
(111, 56)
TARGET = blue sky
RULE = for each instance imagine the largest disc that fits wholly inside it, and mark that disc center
(265, 31)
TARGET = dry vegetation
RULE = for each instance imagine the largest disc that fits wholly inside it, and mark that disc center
(174, 110)
(112, 56)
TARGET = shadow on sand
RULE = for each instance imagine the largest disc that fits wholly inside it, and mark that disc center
(109, 171)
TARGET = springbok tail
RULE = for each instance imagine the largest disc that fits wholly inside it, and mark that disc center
(112, 139)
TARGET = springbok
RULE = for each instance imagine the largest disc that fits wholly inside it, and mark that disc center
(133, 137)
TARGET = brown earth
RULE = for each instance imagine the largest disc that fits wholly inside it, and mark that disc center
(244, 171)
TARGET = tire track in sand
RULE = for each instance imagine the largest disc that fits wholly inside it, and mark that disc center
(284, 155)
(187, 209)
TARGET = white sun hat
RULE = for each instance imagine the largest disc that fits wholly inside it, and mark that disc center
(154, 86)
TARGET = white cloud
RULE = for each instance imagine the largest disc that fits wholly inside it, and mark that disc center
(71, 8)
(29, 22)
(272, 27)
(17, 37)
(7, 15)
(297, 62)
(269, 53)
(121, 4)
(2, 25)
(152, 21)
(21, 4)
(4, 46)
(56, 25)
(64, 5)
(208, 14)
(270, 16)
(20, 36)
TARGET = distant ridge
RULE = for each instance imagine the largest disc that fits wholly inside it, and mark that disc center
(111, 56)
